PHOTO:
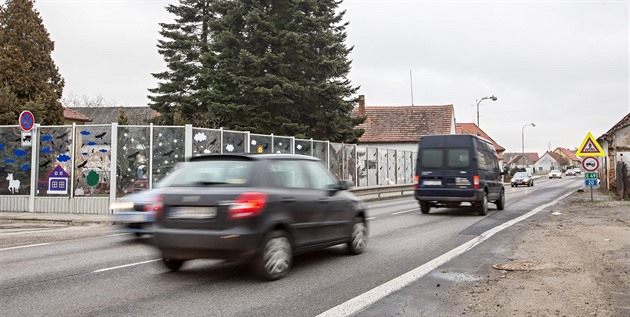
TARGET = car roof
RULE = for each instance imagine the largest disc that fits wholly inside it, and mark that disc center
(251, 156)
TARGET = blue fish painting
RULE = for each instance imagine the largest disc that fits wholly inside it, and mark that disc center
(103, 150)
(63, 158)
(91, 143)
(25, 167)
(47, 137)
(1, 146)
(46, 150)
(85, 132)
(20, 153)
(9, 161)
(84, 153)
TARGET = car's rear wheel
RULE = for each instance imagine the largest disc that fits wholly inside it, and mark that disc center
(359, 237)
(501, 201)
(172, 264)
(425, 207)
(274, 260)
(482, 206)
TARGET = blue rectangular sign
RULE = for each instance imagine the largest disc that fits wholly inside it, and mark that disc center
(590, 182)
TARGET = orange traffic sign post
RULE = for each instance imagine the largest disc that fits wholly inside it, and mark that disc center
(590, 147)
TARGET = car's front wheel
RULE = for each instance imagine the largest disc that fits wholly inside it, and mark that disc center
(359, 237)
(274, 260)
(172, 264)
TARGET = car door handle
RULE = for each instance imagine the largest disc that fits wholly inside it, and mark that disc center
(288, 200)
(323, 200)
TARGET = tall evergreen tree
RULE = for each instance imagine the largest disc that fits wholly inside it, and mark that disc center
(282, 67)
(27, 71)
(267, 66)
(177, 97)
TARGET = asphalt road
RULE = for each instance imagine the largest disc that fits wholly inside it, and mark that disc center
(99, 272)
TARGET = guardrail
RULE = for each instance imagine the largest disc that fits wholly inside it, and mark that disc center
(380, 192)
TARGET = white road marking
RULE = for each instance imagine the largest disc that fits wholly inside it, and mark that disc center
(401, 212)
(361, 302)
(117, 234)
(370, 218)
(24, 246)
(124, 266)
(28, 232)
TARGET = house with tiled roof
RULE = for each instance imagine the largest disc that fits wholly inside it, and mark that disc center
(71, 116)
(472, 128)
(141, 115)
(569, 155)
(400, 127)
(616, 145)
(550, 161)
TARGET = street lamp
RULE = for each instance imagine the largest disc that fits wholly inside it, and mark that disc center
(523, 137)
(493, 98)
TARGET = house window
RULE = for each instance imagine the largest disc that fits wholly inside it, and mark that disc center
(62, 185)
(53, 185)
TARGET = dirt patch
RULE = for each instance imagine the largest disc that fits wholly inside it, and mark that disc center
(573, 262)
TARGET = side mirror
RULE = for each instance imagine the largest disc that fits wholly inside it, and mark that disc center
(344, 185)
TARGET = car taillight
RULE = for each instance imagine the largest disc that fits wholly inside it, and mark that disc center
(476, 182)
(247, 205)
(156, 206)
(416, 181)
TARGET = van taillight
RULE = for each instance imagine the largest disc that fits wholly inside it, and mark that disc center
(476, 182)
(247, 205)
(156, 206)
(416, 181)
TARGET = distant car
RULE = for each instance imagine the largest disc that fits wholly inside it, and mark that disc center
(257, 208)
(522, 178)
(555, 174)
(577, 171)
(570, 172)
(134, 214)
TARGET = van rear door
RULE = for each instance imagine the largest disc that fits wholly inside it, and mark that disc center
(445, 168)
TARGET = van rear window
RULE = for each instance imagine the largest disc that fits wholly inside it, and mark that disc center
(445, 158)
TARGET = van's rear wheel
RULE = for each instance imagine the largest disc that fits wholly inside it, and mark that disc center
(482, 206)
(501, 201)
(424, 207)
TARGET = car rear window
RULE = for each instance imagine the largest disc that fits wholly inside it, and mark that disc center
(213, 172)
(445, 158)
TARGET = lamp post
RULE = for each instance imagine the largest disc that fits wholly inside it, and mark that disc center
(493, 98)
(523, 137)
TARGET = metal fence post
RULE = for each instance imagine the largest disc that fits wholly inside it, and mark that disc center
(113, 163)
(188, 139)
(73, 158)
(34, 167)
(221, 137)
(150, 156)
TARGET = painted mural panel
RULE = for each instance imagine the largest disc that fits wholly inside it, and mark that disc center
(320, 150)
(55, 161)
(382, 167)
(349, 163)
(362, 165)
(303, 147)
(206, 141)
(392, 158)
(259, 143)
(372, 166)
(234, 142)
(15, 163)
(335, 163)
(92, 161)
(168, 150)
(132, 159)
(282, 144)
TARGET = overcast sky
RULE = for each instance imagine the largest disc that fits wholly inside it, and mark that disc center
(562, 65)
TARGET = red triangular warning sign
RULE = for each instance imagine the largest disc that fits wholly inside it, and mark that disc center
(590, 147)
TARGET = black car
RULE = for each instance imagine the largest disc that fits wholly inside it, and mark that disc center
(456, 168)
(259, 208)
(522, 178)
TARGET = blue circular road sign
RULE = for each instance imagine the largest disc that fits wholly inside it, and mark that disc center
(27, 120)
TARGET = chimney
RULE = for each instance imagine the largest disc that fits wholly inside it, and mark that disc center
(361, 105)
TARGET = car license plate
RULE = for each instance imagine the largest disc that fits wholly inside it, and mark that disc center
(193, 212)
(131, 218)
(428, 182)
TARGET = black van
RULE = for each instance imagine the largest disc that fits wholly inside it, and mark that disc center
(456, 168)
